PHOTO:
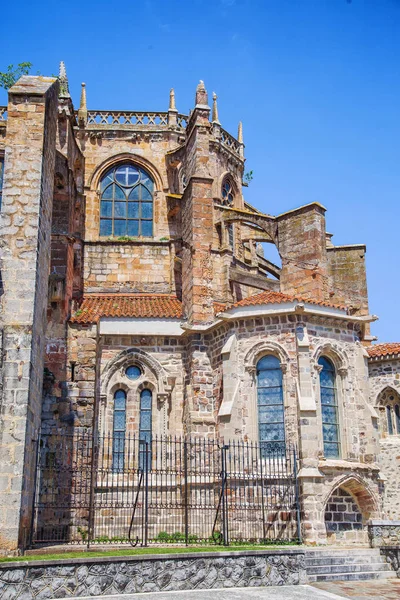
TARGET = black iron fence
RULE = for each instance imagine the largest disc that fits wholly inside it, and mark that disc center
(168, 490)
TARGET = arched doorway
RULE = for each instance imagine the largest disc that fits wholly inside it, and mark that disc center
(347, 511)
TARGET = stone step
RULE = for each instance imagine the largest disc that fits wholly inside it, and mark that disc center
(360, 576)
(351, 568)
(343, 552)
(342, 560)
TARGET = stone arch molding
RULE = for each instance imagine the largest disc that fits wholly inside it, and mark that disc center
(165, 381)
(386, 387)
(261, 349)
(333, 351)
(358, 488)
(101, 168)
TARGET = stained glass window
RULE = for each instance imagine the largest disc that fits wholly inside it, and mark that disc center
(119, 430)
(133, 372)
(389, 419)
(397, 417)
(126, 205)
(329, 408)
(145, 429)
(227, 193)
(271, 422)
(231, 236)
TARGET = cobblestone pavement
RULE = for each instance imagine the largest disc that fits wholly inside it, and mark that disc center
(362, 590)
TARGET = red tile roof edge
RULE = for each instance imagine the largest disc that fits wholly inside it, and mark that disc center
(384, 350)
(272, 297)
(95, 306)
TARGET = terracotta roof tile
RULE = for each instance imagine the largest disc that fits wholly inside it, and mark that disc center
(382, 350)
(271, 297)
(127, 305)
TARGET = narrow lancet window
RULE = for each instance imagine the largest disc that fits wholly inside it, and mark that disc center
(271, 423)
(329, 408)
(119, 427)
(145, 427)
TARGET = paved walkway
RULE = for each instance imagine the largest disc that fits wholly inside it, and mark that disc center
(363, 590)
(338, 590)
(289, 592)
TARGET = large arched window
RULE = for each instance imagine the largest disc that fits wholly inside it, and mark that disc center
(119, 427)
(145, 427)
(329, 408)
(126, 205)
(271, 424)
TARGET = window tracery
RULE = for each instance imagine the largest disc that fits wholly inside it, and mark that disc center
(227, 192)
(390, 407)
(126, 204)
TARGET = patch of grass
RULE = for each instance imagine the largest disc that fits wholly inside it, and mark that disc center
(150, 550)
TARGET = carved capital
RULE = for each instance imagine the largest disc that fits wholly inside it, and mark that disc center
(250, 369)
(163, 397)
(318, 367)
(343, 371)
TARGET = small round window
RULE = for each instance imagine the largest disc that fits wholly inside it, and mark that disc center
(133, 372)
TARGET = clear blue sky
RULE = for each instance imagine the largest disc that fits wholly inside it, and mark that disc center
(315, 82)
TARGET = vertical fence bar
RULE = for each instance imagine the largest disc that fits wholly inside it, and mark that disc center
(297, 496)
(146, 496)
(36, 445)
(93, 472)
(224, 507)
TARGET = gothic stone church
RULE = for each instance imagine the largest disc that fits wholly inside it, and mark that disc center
(136, 299)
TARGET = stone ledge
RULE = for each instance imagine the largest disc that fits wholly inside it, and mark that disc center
(142, 557)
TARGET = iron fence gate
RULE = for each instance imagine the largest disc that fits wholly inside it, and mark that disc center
(179, 490)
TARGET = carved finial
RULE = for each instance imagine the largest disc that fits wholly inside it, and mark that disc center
(82, 105)
(240, 133)
(63, 80)
(201, 94)
(82, 112)
(215, 109)
(172, 100)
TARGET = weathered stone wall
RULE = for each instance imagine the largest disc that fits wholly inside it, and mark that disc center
(385, 375)
(132, 267)
(25, 230)
(302, 247)
(384, 533)
(346, 267)
(392, 555)
(130, 575)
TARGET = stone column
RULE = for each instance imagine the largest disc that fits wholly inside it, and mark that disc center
(25, 229)
(197, 217)
(310, 443)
